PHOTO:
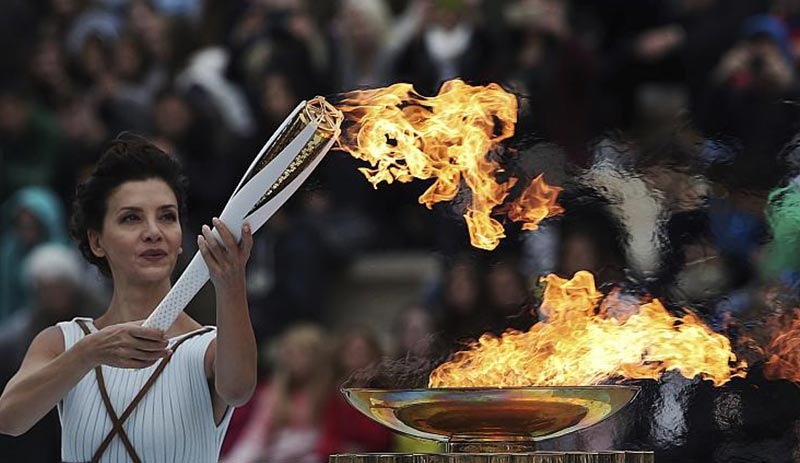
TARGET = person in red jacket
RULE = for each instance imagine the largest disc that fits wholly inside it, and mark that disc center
(358, 348)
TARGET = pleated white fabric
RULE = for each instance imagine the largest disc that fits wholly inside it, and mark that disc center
(173, 423)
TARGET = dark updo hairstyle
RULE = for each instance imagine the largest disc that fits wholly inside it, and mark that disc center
(128, 158)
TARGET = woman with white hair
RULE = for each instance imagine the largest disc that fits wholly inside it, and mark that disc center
(52, 278)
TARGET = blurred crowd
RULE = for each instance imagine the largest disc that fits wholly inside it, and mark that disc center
(671, 125)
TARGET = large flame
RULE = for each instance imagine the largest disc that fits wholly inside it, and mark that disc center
(783, 351)
(448, 138)
(589, 339)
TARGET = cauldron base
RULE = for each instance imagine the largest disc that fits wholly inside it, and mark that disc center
(527, 457)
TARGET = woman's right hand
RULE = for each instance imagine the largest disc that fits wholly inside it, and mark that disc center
(126, 345)
(49, 372)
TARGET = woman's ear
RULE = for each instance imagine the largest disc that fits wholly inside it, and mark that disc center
(94, 243)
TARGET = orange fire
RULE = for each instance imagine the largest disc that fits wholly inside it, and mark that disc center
(783, 352)
(448, 138)
(589, 338)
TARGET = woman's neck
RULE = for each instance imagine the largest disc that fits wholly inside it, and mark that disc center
(136, 302)
(131, 302)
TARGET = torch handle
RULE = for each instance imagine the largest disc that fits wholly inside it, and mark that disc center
(190, 282)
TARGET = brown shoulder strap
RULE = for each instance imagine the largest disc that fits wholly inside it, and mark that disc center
(115, 421)
(118, 421)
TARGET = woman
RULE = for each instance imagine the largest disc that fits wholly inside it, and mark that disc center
(36, 217)
(284, 420)
(125, 392)
(358, 349)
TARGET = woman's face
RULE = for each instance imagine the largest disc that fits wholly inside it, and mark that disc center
(277, 100)
(357, 353)
(299, 360)
(141, 234)
(461, 291)
(29, 229)
(506, 289)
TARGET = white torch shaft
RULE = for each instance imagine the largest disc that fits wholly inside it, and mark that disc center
(234, 214)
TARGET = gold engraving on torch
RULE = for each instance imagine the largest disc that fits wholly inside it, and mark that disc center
(328, 120)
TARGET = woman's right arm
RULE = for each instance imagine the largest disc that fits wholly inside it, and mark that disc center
(48, 371)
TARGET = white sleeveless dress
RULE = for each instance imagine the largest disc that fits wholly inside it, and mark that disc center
(173, 423)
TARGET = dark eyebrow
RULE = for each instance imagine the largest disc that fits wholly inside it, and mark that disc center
(130, 209)
(139, 209)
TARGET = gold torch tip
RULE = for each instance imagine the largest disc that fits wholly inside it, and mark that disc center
(324, 114)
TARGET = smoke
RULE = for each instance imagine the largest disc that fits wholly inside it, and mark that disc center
(406, 373)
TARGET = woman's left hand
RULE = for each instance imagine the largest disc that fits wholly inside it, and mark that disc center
(225, 258)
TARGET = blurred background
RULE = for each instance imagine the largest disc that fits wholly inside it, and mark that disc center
(671, 125)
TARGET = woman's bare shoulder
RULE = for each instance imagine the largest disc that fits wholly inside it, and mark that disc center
(49, 341)
(46, 346)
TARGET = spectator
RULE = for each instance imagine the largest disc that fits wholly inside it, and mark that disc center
(507, 297)
(37, 217)
(284, 419)
(462, 316)
(357, 349)
(751, 85)
(17, 32)
(590, 238)
(556, 72)
(266, 39)
(29, 141)
(413, 333)
(452, 43)
(52, 277)
(48, 70)
(361, 43)
(662, 44)
(127, 92)
(85, 135)
(168, 40)
(295, 256)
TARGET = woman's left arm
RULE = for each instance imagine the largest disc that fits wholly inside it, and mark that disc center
(232, 356)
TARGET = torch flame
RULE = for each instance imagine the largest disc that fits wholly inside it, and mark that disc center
(537, 202)
(404, 136)
(588, 339)
(783, 352)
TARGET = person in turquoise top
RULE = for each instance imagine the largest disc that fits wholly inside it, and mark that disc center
(31, 216)
(30, 140)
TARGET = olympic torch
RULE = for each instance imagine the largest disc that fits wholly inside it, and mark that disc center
(282, 165)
